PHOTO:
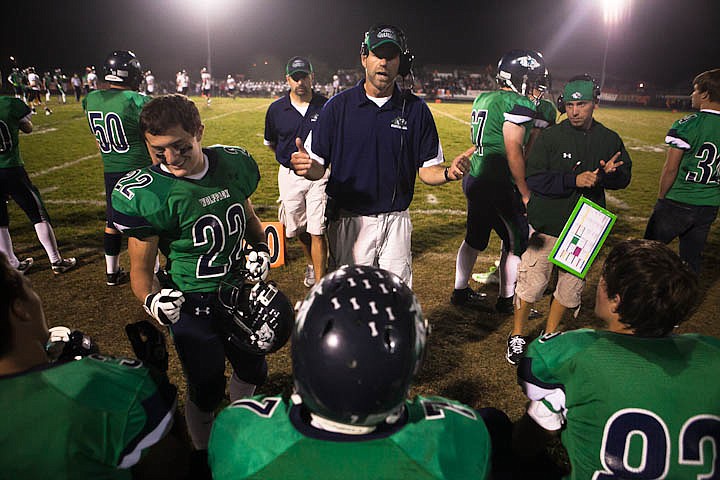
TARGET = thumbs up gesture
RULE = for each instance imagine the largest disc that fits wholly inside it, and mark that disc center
(300, 160)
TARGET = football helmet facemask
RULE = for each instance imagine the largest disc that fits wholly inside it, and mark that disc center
(523, 70)
(122, 67)
(358, 342)
(255, 318)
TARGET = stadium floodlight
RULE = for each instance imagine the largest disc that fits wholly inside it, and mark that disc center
(614, 11)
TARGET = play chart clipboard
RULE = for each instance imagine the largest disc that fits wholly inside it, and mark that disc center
(582, 237)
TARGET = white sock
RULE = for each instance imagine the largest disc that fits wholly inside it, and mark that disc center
(112, 263)
(464, 264)
(199, 424)
(508, 271)
(156, 268)
(6, 247)
(46, 236)
(238, 389)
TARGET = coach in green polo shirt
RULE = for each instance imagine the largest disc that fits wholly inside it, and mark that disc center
(578, 157)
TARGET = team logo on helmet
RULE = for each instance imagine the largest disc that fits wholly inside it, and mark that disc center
(528, 62)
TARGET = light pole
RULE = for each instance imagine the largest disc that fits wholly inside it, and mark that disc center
(613, 13)
(207, 31)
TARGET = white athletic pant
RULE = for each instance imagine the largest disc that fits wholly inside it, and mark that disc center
(381, 240)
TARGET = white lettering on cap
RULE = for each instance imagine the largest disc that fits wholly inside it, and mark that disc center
(386, 33)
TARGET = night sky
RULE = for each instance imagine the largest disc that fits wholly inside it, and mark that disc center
(662, 42)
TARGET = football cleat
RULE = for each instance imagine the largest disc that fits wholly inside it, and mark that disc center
(309, 279)
(117, 278)
(504, 305)
(469, 298)
(64, 265)
(25, 265)
(516, 348)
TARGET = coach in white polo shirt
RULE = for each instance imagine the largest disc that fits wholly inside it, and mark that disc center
(302, 208)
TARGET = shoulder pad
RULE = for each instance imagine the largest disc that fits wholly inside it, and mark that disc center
(687, 118)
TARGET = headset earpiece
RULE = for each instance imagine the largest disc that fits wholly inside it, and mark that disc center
(561, 104)
(406, 62)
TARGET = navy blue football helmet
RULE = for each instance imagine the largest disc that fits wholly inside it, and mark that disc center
(255, 318)
(358, 342)
(122, 67)
(523, 70)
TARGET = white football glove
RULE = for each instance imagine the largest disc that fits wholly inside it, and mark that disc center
(164, 306)
(258, 265)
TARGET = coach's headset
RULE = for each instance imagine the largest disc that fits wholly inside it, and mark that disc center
(586, 77)
(406, 57)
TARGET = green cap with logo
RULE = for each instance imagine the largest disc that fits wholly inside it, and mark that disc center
(579, 90)
(383, 34)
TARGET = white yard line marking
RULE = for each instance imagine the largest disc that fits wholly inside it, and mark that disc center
(43, 130)
(62, 165)
(259, 107)
(445, 114)
(616, 202)
(94, 203)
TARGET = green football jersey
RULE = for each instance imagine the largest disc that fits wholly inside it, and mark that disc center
(12, 110)
(698, 178)
(16, 79)
(546, 114)
(114, 119)
(270, 438)
(636, 407)
(90, 418)
(201, 223)
(489, 111)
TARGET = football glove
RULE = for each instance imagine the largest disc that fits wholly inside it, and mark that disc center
(258, 263)
(148, 343)
(164, 306)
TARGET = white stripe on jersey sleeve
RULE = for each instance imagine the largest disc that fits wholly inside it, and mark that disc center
(677, 143)
(438, 159)
(308, 147)
(162, 428)
(516, 119)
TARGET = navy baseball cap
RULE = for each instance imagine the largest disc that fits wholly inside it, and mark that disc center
(384, 34)
(298, 64)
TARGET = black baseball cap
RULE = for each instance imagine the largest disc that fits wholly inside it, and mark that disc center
(298, 64)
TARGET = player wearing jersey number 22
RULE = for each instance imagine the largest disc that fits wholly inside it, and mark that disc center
(194, 207)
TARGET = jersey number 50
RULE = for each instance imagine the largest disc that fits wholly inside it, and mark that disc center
(109, 131)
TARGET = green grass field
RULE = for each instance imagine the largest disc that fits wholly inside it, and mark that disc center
(465, 359)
